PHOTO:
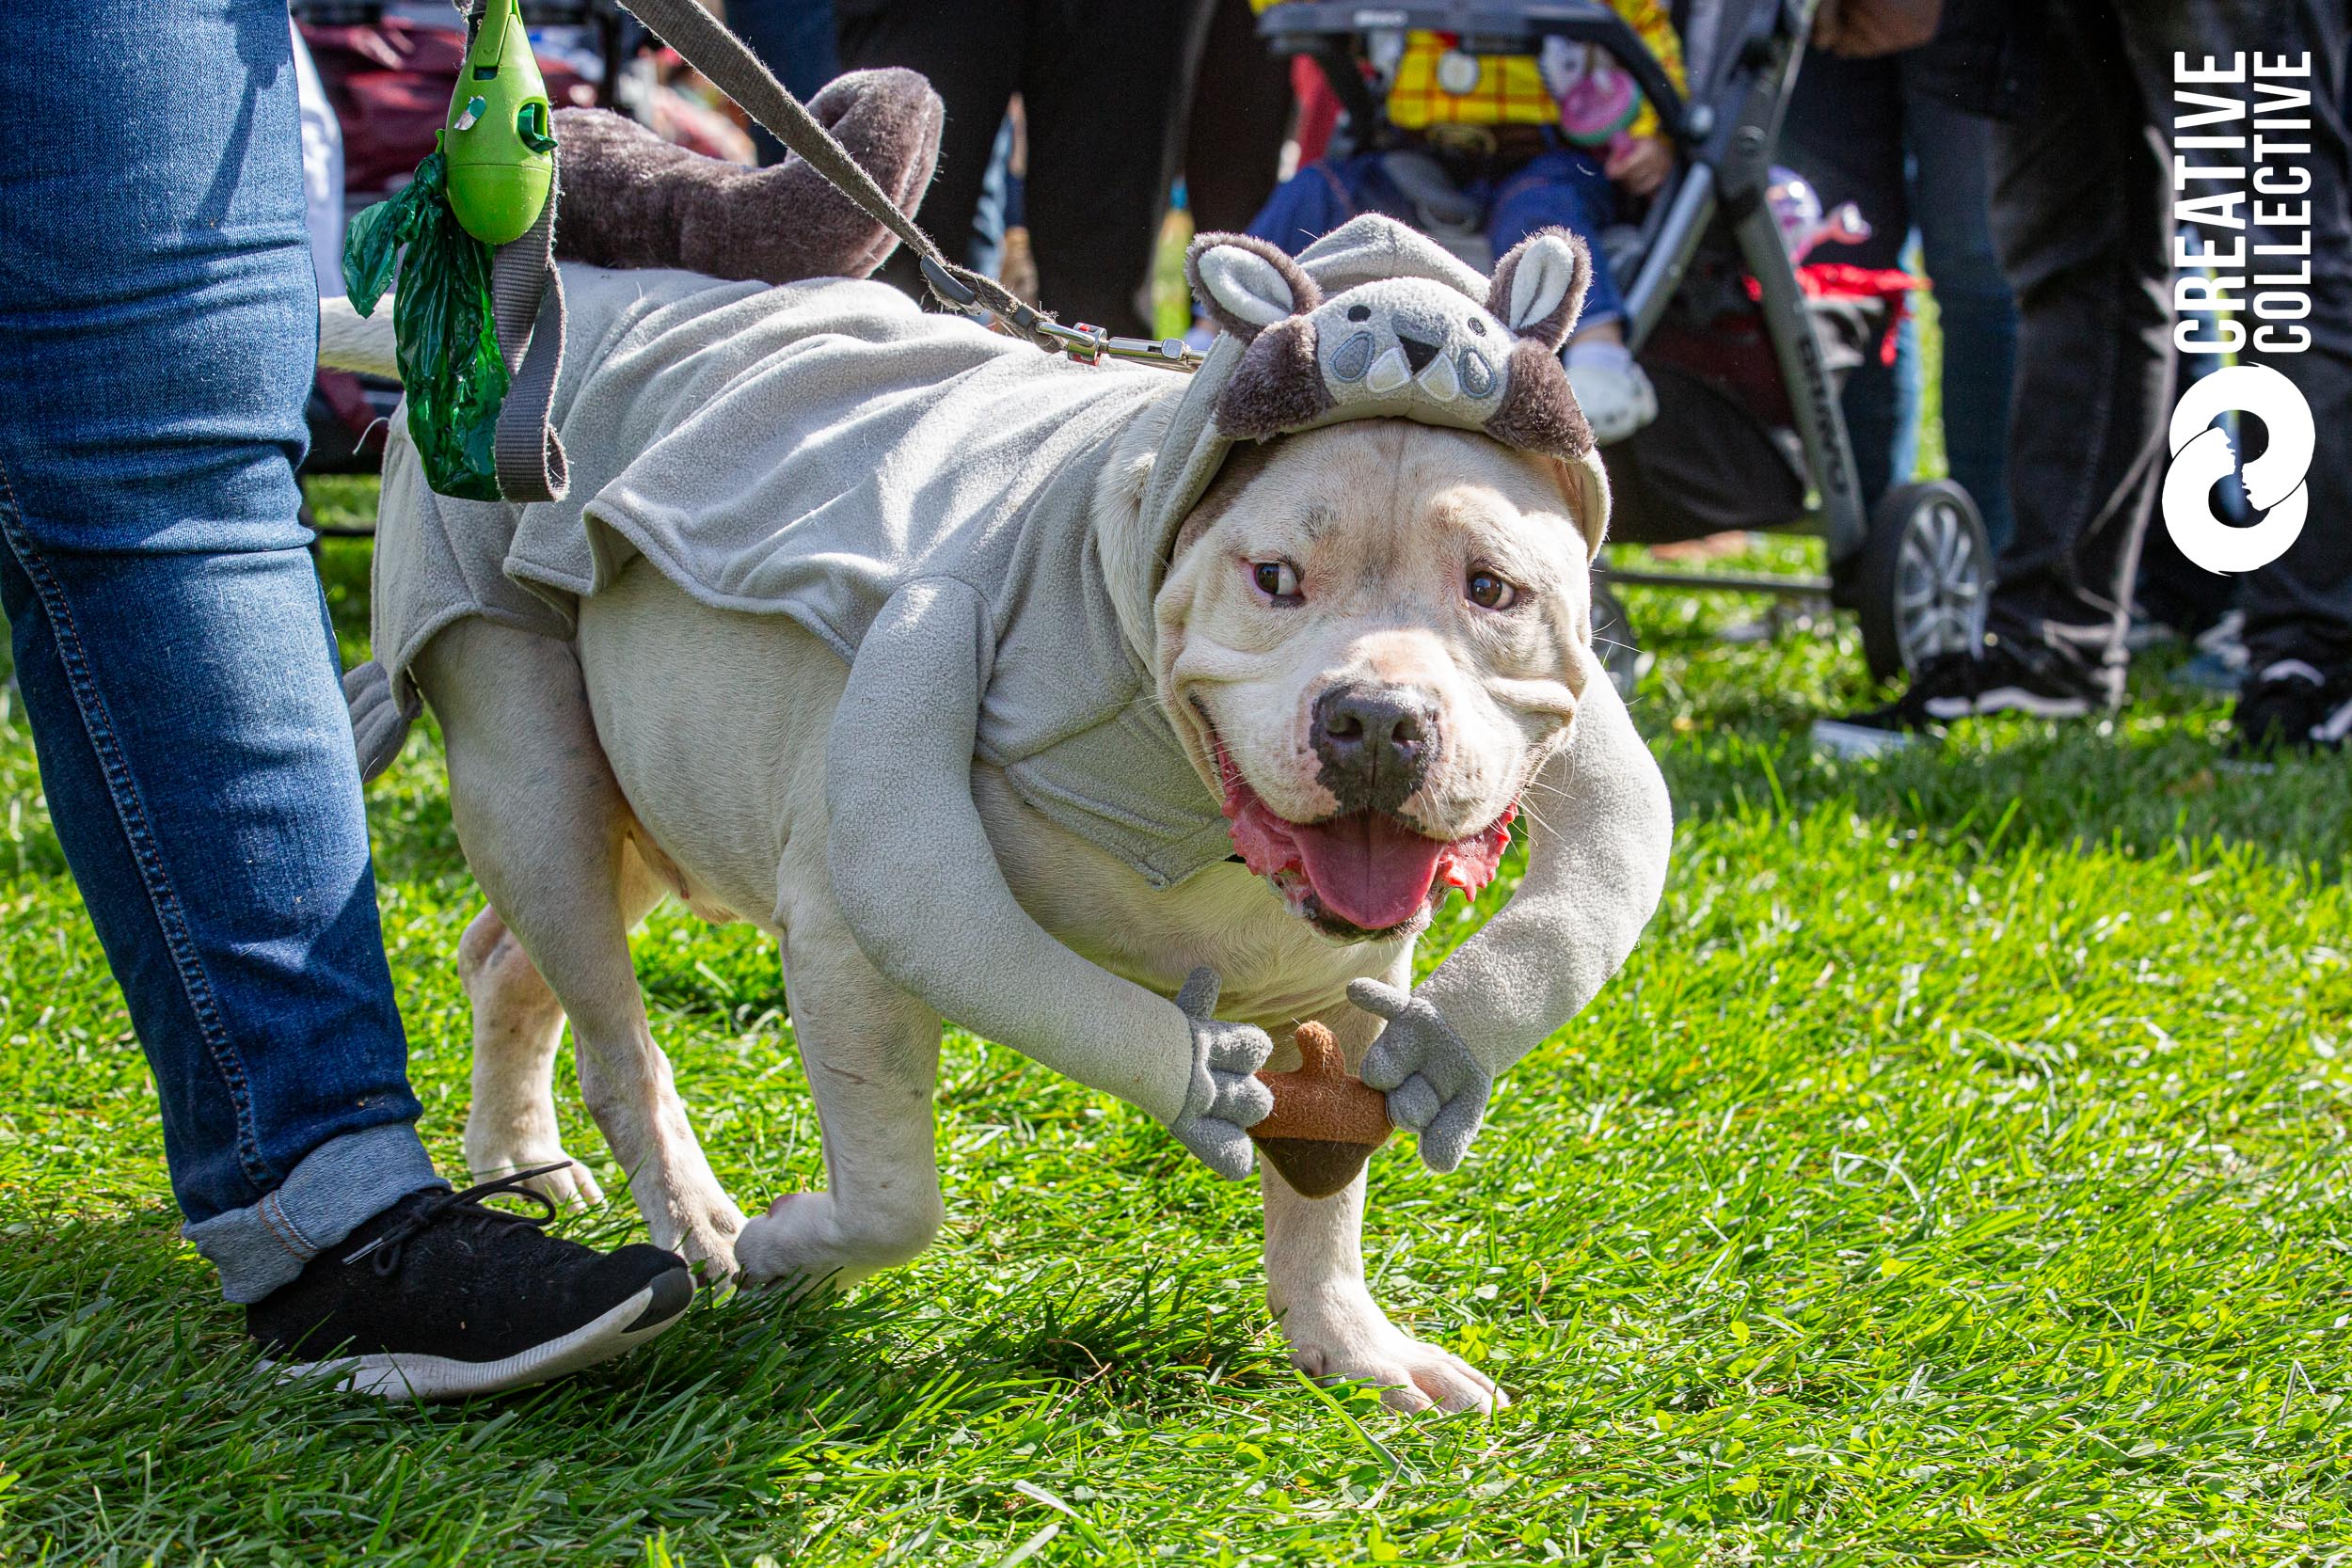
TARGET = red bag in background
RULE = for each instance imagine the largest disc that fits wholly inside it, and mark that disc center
(389, 81)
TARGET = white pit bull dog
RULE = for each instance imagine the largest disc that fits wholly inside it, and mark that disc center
(970, 674)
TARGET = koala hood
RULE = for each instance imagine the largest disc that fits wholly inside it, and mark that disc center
(1376, 321)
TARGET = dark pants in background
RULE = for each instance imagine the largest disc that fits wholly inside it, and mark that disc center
(1241, 111)
(1868, 131)
(2083, 217)
(795, 39)
(1105, 83)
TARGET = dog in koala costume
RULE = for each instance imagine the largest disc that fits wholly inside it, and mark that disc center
(1118, 716)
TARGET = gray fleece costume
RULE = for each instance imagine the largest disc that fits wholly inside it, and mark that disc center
(811, 450)
(827, 452)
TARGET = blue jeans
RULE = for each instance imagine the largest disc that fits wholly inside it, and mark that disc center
(158, 322)
(1563, 188)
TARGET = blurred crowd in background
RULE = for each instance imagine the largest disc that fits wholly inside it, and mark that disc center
(2010, 160)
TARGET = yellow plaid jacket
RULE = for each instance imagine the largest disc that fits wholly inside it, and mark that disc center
(1510, 88)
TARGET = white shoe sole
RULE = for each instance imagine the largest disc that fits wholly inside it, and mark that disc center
(2010, 699)
(1860, 740)
(399, 1377)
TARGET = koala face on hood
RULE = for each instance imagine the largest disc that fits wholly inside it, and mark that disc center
(1404, 347)
(1410, 339)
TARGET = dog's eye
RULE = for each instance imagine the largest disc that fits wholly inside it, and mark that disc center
(1277, 579)
(1489, 591)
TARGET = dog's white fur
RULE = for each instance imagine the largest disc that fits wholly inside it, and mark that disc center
(677, 749)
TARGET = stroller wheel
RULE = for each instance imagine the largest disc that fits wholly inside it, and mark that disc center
(1923, 577)
(1620, 651)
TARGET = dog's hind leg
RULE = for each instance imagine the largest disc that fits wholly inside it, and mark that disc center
(871, 1052)
(1314, 1261)
(545, 830)
(517, 1026)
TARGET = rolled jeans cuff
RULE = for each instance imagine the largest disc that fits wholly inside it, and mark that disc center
(338, 1187)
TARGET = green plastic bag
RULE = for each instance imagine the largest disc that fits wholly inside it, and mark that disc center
(448, 344)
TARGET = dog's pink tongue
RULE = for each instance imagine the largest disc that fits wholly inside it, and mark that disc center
(1368, 869)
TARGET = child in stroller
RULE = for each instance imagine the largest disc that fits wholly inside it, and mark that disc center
(1480, 151)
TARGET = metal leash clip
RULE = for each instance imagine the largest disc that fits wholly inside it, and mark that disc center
(1089, 345)
(1084, 343)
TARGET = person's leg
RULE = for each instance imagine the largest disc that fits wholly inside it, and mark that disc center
(158, 321)
(1566, 188)
(1844, 132)
(2300, 606)
(1105, 85)
(2082, 217)
(1317, 200)
(2082, 221)
(795, 39)
(971, 52)
(1951, 202)
(1241, 110)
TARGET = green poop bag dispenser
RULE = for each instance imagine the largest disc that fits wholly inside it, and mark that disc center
(499, 138)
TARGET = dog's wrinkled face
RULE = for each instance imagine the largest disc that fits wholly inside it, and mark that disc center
(1370, 637)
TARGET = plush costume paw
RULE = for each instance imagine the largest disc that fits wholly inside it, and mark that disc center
(379, 719)
(631, 200)
(1435, 1086)
(1225, 1099)
(1614, 392)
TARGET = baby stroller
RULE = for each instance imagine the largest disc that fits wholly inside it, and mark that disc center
(1746, 359)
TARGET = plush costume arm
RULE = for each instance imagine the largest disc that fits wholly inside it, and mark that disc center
(1600, 826)
(920, 885)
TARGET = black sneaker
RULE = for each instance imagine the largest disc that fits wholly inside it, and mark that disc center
(2291, 706)
(2005, 677)
(441, 1296)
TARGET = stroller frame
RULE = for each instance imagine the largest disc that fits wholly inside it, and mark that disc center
(1916, 569)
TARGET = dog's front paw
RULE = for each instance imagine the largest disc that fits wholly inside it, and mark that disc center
(702, 1227)
(809, 1241)
(1348, 1338)
(569, 1184)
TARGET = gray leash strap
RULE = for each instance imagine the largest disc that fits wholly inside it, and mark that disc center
(704, 42)
(526, 310)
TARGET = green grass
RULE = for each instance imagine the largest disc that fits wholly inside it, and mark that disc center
(1957, 1172)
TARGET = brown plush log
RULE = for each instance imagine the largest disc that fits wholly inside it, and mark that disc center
(631, 200)
(1324, 1124)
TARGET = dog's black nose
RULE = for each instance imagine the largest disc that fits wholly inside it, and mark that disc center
(1375, 742)
(1417, 352)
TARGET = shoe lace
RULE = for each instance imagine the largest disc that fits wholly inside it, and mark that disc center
(464, 1208)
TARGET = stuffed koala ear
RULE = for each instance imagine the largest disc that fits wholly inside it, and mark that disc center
(1247, 285)
(1538, 291)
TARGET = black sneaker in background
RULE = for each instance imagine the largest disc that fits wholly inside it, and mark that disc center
(2003, 678)
(441, 1296)
(2291, 706)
